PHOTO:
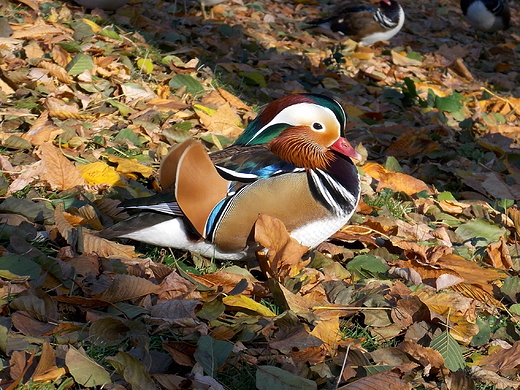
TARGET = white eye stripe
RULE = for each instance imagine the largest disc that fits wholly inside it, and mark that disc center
(302, 114)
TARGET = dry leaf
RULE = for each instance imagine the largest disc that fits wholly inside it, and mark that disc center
(284, 253)
(395, 180)
(125, 287)
(58, 171)
(224, 121)
(105, 248)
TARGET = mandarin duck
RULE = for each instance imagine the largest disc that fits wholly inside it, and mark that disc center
(291, 162)
(365, 24)
(487, 15)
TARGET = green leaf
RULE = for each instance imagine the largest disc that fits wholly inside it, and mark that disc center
(511, 288)
(123, 108)
(449, 103)
(20, 265)
(503, 204)
(446, 195)
(79, 64)
(483, 335)
(211, 354)
(393, 96)
(415, 56)
(480, 232)
(86, 371)
(409, 88)
(110, 34)
(392, 164)
(34, 211)
(70, 47)
(274, 378)
(128, 134)
(255, 78)
(16, 142)
(82, 31)
(372, 370)
(366, 266)
(193, 86)
(450, 351)
(134, 372)
(515, 309)
(211, 310)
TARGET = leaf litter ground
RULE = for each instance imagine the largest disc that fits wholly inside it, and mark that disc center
(420, 291)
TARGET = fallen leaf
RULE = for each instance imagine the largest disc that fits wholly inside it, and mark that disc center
(58, 171)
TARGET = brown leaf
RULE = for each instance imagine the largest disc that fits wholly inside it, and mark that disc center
(224, 121)
(499, 255)
(36, 31)
(426, 255)
(233, 100)
(57, 71)
(19, 367)
(284, 253)
(429, 358)
(175, 286)
(493, 378)
(108, 331)
(505, 361)
(58, 170)
(412, 142)
(227, 281)
(181, 351)
(327, 330)
(105, 248)
(30, 326)
(388, 380)
(290, 301)
(66, 230)
(47, 360)
(395, 180)
(514, 214)
(126, 287)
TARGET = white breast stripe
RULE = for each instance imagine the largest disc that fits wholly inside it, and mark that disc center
(165, 208)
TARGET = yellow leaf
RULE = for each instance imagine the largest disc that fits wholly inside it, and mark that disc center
(244, 302)
(100, 173)
(94, 26)
(352, 111)
(127, 165)
(399, 59)
(206, 110)
(145, 65)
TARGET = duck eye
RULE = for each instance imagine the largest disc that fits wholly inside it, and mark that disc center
(317, 126)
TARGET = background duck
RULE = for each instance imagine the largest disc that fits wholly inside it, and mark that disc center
(291, 163)
(366, 24)
(487, 15)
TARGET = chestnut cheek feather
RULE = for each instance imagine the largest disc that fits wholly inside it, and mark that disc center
(344, 147)
(298, 146)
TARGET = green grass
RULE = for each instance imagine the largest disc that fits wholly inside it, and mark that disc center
(357, 331)
(240, 376)
(392, 201)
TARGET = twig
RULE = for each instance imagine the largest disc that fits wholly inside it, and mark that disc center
(342, 367)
